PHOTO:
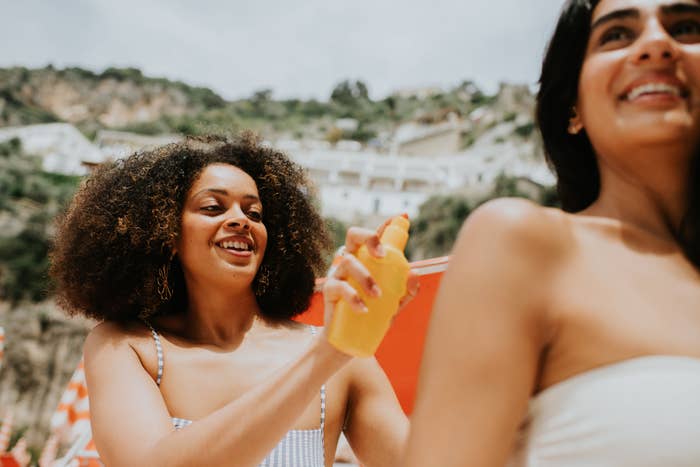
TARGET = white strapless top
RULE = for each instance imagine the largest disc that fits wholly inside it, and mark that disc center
(642, 412)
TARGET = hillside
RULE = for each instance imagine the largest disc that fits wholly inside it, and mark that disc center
(125, 99)
(42, 345)
(111, 99)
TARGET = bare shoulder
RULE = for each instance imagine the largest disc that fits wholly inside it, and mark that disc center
(513, 246)
(514, 225)
(116, 337)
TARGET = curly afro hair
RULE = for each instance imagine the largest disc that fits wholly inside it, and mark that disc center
(118, 231)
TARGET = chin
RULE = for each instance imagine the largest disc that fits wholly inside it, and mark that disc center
(666, 127)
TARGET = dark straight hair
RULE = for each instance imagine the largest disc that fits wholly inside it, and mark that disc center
(571, 156)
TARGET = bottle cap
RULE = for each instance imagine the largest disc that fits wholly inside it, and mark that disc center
(396, 233)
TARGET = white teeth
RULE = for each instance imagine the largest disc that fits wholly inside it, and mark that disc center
(654, 88)
(236, 245)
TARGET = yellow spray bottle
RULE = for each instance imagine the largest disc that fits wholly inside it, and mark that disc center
(358, 333)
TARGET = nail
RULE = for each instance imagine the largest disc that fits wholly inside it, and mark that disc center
(360, 305)
(380, 251)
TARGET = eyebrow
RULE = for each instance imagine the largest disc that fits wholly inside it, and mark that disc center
(680, 8)
(673, 9)
(221, 191)
(615, 15)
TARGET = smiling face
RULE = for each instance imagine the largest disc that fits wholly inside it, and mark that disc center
(640, 81)
(222, 234)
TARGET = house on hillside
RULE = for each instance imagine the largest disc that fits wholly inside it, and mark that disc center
(61, 146)
(119, 144)
(416, 139)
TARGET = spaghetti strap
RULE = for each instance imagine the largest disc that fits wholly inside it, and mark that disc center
(323, 406)
(159, 352)
(298, 447)
(314, 330)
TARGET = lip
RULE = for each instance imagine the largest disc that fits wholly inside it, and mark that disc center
(236, 238)
(664, 80)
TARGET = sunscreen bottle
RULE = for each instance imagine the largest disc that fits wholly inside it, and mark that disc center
(359, 334)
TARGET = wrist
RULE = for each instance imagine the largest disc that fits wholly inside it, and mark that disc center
(328, 353)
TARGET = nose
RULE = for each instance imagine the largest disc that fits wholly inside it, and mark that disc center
(237, 219)
(655, 46)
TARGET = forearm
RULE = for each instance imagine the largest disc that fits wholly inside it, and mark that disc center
(377, 427)
(249, 427)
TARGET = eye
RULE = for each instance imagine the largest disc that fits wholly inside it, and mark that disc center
(254, 215)
(688, 30)
(211, 208)
(615, 35)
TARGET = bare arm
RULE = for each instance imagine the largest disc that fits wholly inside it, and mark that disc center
(376, 426)
(131, 423)
(486, 335)
(132, 426)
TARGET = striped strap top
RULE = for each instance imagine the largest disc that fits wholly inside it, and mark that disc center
(298, 448)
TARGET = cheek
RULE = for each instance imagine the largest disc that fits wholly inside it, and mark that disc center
(194, 232)
(593, 85)
(692, 70)
(263, 239)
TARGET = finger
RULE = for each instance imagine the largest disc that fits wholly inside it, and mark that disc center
(412, 289)
(350, 267)
(386, 223)
(382, 227)
(357, 236)
(335, 289)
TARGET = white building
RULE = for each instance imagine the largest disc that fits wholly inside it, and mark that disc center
(355, 186)
(62, 147)
(360, 187)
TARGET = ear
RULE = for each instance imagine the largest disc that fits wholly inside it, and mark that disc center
(575, 123)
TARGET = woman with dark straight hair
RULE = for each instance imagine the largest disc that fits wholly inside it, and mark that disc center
(572, 337)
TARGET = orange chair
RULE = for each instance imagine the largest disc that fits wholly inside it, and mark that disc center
(400, 352)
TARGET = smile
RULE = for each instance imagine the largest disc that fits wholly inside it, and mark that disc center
(660, 89)
(236, 246)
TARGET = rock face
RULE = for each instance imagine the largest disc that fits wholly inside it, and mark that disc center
(42, 349)
(114, 98)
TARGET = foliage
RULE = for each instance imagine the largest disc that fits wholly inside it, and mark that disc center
(24, 264)
(272, 118)
(16, 108)
(435, 229)
(337, 230)
(350, 94)
(525, 130)
(31, 198)
(507, 186)
(510, 117)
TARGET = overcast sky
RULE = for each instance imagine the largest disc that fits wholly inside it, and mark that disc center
(298, 48)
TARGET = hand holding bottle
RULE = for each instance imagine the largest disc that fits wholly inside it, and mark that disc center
(371, 282)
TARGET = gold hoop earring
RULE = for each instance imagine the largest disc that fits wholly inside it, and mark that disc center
(164, 290)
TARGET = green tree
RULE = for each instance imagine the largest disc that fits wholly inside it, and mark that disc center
(29, 199)
(337, 230)
(434, 230)
(350, 94)
(507, 186)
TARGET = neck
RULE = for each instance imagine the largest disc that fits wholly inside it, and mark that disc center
(651, 196)
(220, 319)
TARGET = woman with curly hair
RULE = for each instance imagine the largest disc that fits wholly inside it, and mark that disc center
(195, 256)
(572, 338)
